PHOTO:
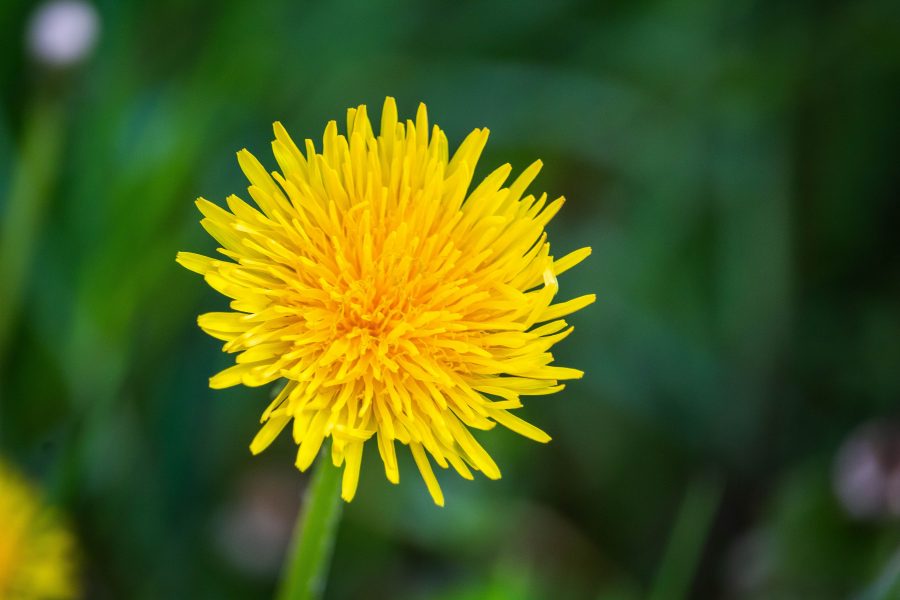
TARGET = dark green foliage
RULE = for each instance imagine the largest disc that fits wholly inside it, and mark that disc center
(733, 165)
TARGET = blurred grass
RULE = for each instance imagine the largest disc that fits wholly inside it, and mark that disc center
(733, 166)
(32, 176)
(691, 529)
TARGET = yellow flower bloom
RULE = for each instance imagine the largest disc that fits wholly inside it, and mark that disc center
(36, 552)
(394, 301)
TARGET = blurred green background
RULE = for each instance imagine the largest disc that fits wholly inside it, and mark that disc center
(734, 166)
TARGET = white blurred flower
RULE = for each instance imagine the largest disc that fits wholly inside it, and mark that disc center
(62, 32)
(253, 531)
(750, 564)
(867, 471)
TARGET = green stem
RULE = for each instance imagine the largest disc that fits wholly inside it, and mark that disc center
(306, 569)
(682, 553)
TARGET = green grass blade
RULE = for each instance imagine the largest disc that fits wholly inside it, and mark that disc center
(679, 563)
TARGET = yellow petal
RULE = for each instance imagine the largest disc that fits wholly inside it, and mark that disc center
(570, 260)
(268, 433)
(353, 459)
(194, 262)
(566, 308)
(389, 458)
(312, 441)
(514, 423)
(230, 376)
(427, 474)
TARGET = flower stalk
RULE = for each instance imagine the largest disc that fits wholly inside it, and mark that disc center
(309, 556)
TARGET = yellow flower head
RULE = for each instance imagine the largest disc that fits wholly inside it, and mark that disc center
(36, 552)
(396, 302)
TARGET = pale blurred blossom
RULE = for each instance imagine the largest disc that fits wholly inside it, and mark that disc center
(62, 33)
(749, 564)
(867, 472)
(253, 530)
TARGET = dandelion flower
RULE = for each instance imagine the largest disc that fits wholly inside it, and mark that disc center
(36, 551)
(396, 302)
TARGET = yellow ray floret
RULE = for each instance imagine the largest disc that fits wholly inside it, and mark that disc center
(394, 300)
